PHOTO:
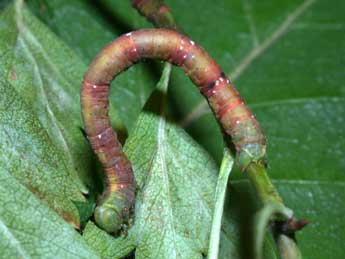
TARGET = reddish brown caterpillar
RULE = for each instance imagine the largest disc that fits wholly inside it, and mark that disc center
(156, 12)
(235, 118)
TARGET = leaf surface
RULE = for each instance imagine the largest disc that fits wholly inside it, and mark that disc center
(28, 153)
(99, 23)
(177, 181)
(29, 229)
(48, 77)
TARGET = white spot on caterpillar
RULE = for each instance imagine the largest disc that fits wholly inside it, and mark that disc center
(193, 56)
(221, 79)
(121, 186)
(181, 44)
(237, 122)
(192, 42)
(135, 49)
(184, 56)
(99, 136)
(227, 81)
(217, 82)
(94, 86)
(128, 34)
(252, 116)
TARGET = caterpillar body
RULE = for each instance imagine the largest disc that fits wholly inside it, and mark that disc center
(234, 117)
(156, 12)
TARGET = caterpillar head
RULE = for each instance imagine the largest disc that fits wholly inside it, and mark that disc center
(108, 218)
(251, 153)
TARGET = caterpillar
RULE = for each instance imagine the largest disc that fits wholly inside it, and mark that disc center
(156, 12)
(234, 116)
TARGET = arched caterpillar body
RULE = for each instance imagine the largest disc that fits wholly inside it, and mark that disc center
(235, 118)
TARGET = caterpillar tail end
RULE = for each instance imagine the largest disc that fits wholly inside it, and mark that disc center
(108, 218)
(251, 153)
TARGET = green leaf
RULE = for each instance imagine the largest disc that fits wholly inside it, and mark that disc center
(321, 203)
(29, 229)
(106, 245)
(176, 180)
(27, 152)
(97, 24)
(285, 58)
(48, 77)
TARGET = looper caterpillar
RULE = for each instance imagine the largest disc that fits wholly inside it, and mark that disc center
(233, 115)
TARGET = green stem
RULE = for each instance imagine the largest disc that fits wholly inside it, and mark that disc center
(263, 185)
(224, 173)
(269, 196)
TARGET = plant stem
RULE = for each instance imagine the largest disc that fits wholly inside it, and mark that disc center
(263, 185)
(284, 223)
(223, 177)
